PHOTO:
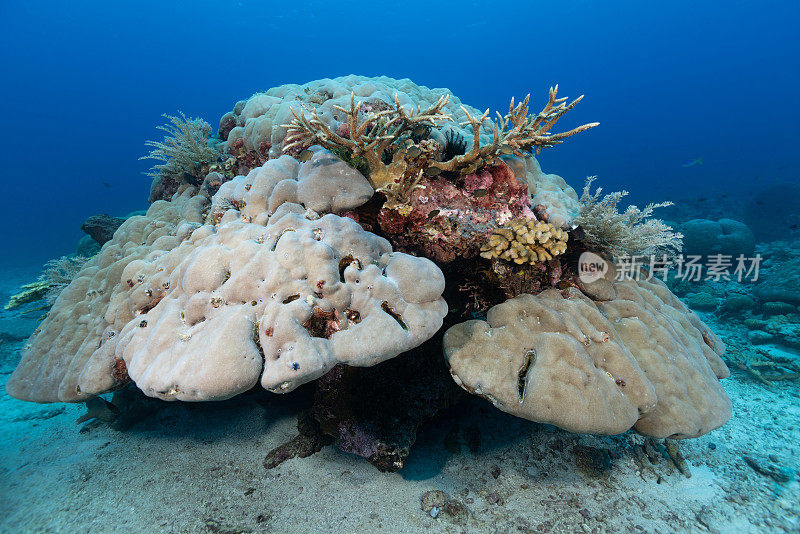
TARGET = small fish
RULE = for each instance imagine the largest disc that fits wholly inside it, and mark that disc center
(433, 171)
(478, 193)
(506, 149)
(305, 155)
(693, 162)
(106, 184)
(100, 409)
(702, 199)
(794, 227)
(414, 151)
(420, 129)
(433, 213)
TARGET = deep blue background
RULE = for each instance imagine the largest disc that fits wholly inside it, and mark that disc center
(85, 83)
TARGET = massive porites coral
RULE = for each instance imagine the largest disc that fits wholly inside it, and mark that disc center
(321, 245)
(94, 307)
(642, 360)
(270, 290)
(283, 302)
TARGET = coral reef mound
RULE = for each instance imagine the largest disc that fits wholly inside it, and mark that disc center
(342, 223)
(704, 237)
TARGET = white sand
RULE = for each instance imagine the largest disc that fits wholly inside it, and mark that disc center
(198, 468)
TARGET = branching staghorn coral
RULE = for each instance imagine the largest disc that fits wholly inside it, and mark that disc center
(515, 132)
(185, 151)
(630, 233)
(525, 241)
(368, 138)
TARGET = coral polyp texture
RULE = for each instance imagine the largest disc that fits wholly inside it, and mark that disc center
(350, 221)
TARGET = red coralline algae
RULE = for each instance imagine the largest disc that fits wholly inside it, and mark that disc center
(120, 372)
(446, 219)
(249, 159)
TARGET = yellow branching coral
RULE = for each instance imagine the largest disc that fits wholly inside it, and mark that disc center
(525, 241)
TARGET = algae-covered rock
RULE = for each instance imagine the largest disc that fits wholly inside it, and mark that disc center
(753, 323)
(778, 308)
(729, 237)
(737, 304)
(781, 283)
(702, 301)
(101, 227)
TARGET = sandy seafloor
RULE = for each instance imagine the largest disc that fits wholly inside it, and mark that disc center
(199, 468)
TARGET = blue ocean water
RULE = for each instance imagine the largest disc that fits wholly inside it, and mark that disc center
(85, 84)
(672, 84)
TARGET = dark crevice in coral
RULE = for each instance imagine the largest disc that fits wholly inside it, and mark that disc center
(322, 323)
(153, 303)
(291, 298)
(396, 316)
(344, 263)
(522, 380)
(257, 340)
(120, 372)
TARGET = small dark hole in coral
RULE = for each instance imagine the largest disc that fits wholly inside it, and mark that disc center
(344, 263)
(322, 323)
(522, 380)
